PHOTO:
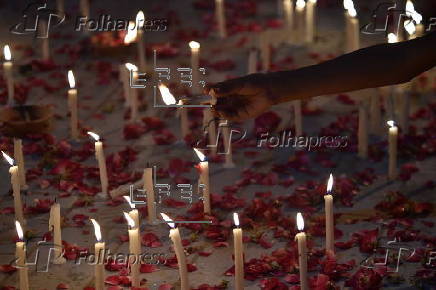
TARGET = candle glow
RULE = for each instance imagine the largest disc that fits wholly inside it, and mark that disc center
(352, 12)
(129, 219)
(300, 222)
(330, 183)
(236, 219)
(7, 52)
(19, 230)
(140, 19)
(131, 67)
(194, 45)
(168, 220)
(391, 123)
(71, 79)
(200, 155)
(94, 136)
(8, 158)
(127, 198)
(132, 33)
(348, 4)
(167, 97)
(97, 230)
(392, 38)
(300, 4)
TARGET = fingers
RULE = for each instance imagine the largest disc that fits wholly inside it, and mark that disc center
(225, 88)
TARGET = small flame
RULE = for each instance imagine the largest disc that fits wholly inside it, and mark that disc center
(127, 198)
(140, 19)
(392, 38)
(391, 123)
(167, 97)
(132, 32)
(411, 12)
(97, 230)
(348, 4)
(312, 1)
(352, 12)
(168, 220)
(71, 79)
(200, 155)
(330, 183)
(300, 4)
(19, 230)
(131, 66)
(93, 135)
(8, 158)
(194, 45)
(236, 219)
(129, 219)
(300, 222)
(7, 53)
(410, 27)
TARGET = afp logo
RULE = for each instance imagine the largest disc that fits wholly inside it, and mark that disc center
(33, 15)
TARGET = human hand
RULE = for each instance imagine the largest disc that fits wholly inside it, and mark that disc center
(241, 98)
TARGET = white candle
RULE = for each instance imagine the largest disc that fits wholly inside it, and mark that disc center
(72, 105)
(362, 131)
(220, 18)
(20, 255)
(329, 219)
(135, 249)
(298, 118)
(133, 92)
(99, 154)
(404, 103)
(300, 7)
(352, 33)
(195, 65)
(16, 189)
(310, 21)
(252, 61)
(180, 253)
(54, 224)
(288, 8)
(84, 8)
(60, 7)
(227, 138)
(45, 46)
(375, 119)
(18, 155)
(7, 70)
(209, 123)
(140, 18)
(302, 252)
(415, 18)
(99, 250)
(125, 79)
(265, 50)
(133, 213)
(204, 179)
(239, 254)
(392, 140)
(149, 190)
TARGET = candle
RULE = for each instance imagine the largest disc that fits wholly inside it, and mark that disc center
(414, 18)
(220, 18)
(99, 250)
(20, 255)
(375, 118)
(310, 21)
(18, 155)
(288, 8)
(7, 70)
(149, 190)
(239, 254)
(352, 29)
(392, 140)
(404, 103)
(169, 100)
(84, 8)
(362, 131)
(60, 6)
(195, 65)
(180, 253)
(45, 46)
(135, 249)
(209, 123)
(133, 93)
(298, 119)
(140, 18)
(300, 6)
(133, 213)
(302, 252)
(252, 61)
(72, 105)
(329, 221)
(99, 154)
(204, 179)
(54, 224)
(15, 181)
(125, 79)
(227, 138)
(265, 51)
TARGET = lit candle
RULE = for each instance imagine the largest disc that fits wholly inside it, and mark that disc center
(353, 37)
(252, 61)
(84, 8)
(415, 18)
(209, 123)
(134, 214)
(204, 179)
(375, 119)
(298, 118)
(169, 100)
(227, 138)
(392, 140)
(99, 154)
(180, 253)
(302, 252)
(239, 254)
(99, 251)
(288, 8)
(362, 131)
(45, 46)
(140, 18)
(20, 255)
(310, 21)
(18, 155)
(7, 69)
(149, 191)
(329, 221)
(133, 93)
(15, 181)
(54, 224)
(72, 105)
(220, 18)
(300, 7)
(195, 65)
(135, 249)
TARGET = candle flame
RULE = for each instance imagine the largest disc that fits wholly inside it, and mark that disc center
(129, 219)
(97, 230)
(236, 219)
(7, 53)
(411, 12)
(300, 222)
(167, 97)
(140, 19)
(93, 135)
(200, 155)
(168, 220)
(330, 183)
(410, 27)
(132, 32)
(300, 4)
(8, 158)
(19, 230)
(348, 4)
(391, 123)
(194, 45)
(312, 1)
(131, 66)
(127, 198)
(392, 38)
(352, 12)
(71, 79)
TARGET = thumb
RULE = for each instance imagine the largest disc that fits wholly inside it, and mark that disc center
(227, 87)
